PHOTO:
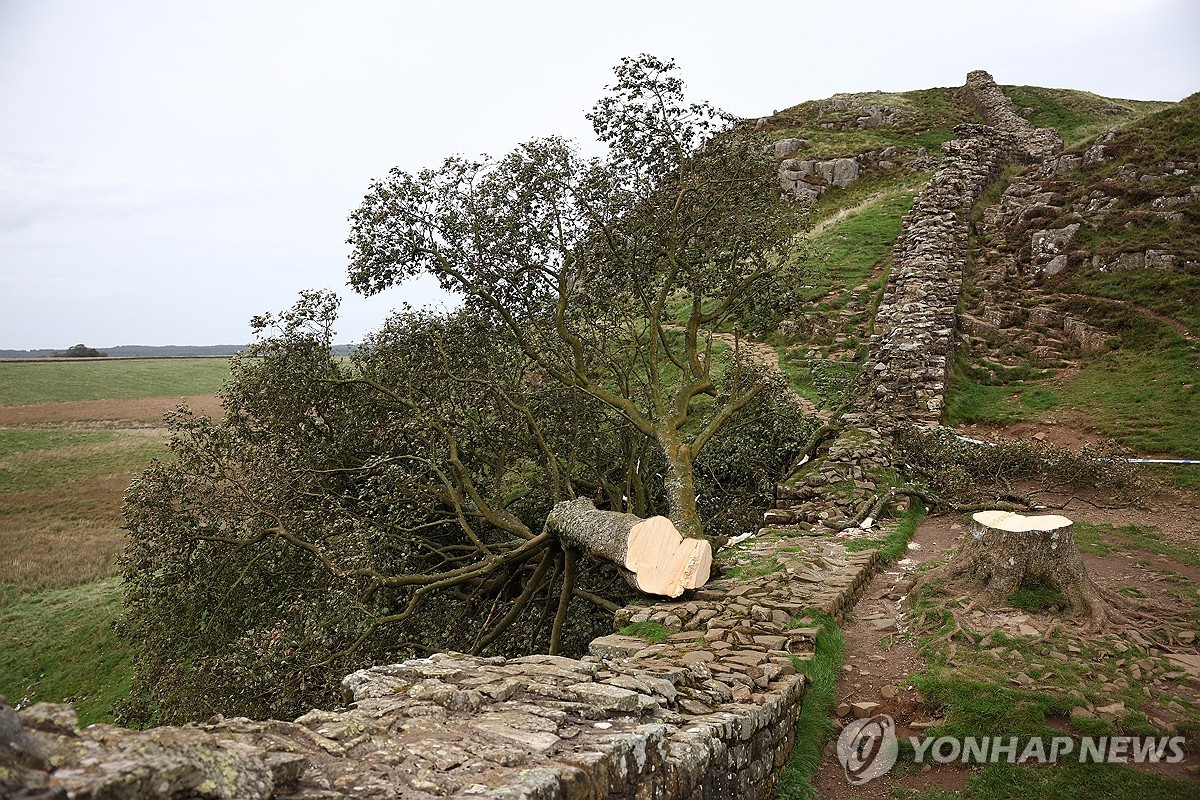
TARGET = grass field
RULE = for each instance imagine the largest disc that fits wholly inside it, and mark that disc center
(23, 382)
(62, 480)
(59, 645)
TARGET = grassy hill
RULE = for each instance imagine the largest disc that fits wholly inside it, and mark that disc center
(1123, 199)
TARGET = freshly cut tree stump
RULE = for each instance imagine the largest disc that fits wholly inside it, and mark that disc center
(651, 553)
(1003, 550)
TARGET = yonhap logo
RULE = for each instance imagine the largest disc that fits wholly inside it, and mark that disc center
(867, 748)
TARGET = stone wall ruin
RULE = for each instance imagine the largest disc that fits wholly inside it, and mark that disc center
(708, 713)
(912, 346)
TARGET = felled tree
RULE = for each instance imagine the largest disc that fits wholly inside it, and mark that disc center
(587, 264)
(354, 511)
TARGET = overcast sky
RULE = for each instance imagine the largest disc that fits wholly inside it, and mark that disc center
(170, 168)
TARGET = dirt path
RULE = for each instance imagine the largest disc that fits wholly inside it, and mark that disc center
(841, 214)
(878, 660)
(1170, 322)
(1145, 311)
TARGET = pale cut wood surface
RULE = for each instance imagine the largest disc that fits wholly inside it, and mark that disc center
(652, 555)
(1019, 523)
(664, 561)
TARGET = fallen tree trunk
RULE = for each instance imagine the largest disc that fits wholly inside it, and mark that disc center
(651, 553)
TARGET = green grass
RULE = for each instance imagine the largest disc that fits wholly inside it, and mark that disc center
(1174, 293)
(1078, 116)
(972, 401)
(973, 691)
(895, 544)
(974, 707)
(40, 458)
(653, 632)
(1102, 539)
(814, 727)
(1145, 393)
(1037, 598)
(59, 646)
(1139, 398)
(1069, 780)
(55, 382)
(844, 255)
(839, 260)
(929, 119)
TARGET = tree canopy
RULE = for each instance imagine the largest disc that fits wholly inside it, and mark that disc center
(350, 511)
(81, 351)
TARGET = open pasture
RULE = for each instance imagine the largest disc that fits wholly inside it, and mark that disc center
(73, 434)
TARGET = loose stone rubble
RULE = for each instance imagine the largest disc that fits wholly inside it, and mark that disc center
(826, 492)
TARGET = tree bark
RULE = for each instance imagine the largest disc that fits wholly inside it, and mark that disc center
(1003, 550)
(650, 553)
(681, 491)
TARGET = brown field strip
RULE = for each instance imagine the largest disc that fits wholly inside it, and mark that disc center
(140, 409)
(63, 536)
(60, 519)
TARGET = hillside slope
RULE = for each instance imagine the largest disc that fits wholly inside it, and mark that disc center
(1081, 305)
(1083, 299)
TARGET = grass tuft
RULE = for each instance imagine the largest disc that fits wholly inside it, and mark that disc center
(653, 632)
(895, 544)
(815, 725)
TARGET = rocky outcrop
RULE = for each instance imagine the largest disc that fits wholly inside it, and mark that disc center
(1062, 223)
(848, 112)
(806, 179)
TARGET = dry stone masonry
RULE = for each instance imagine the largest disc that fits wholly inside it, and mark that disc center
(912, 346)
(708, 713)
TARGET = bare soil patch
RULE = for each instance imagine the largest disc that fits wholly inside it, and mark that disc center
(878, 661)
(142, 409)
(1060, 434)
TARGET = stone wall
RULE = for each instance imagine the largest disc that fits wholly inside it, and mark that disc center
(912, 346)
(708, 713)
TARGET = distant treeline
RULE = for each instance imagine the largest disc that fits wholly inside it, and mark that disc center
(149, 351)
